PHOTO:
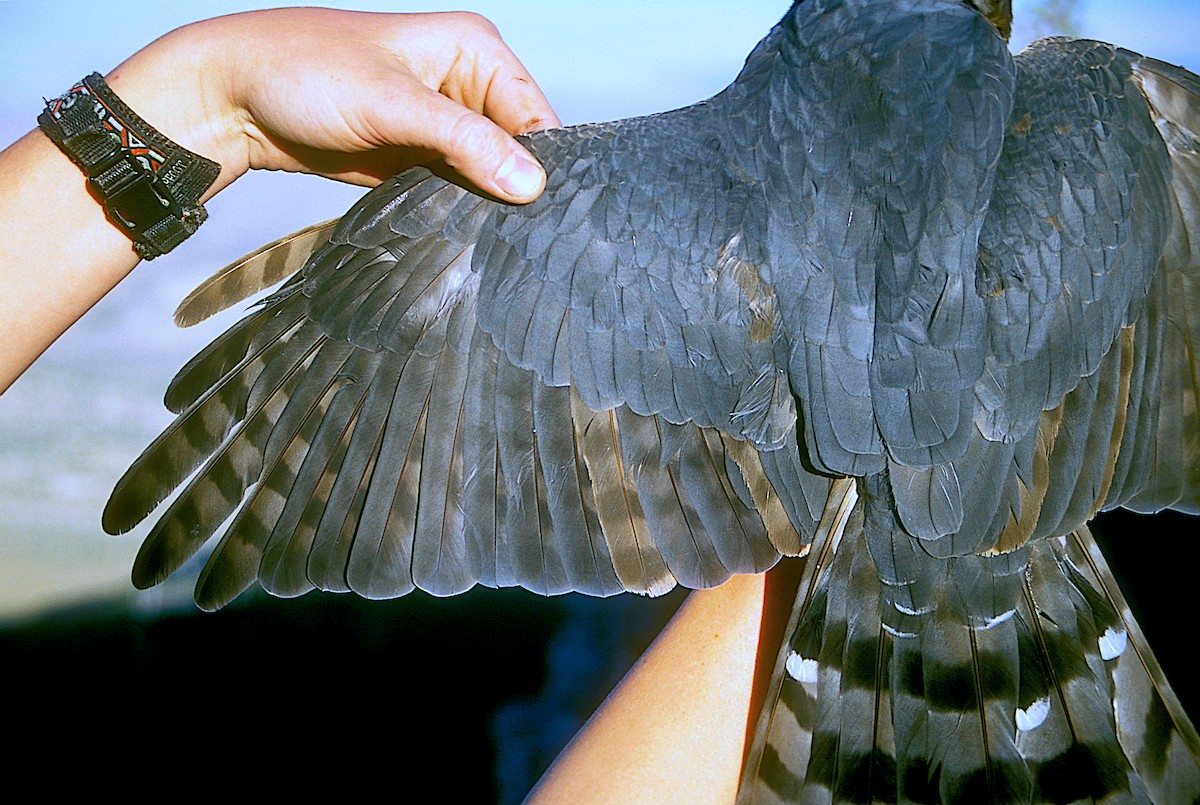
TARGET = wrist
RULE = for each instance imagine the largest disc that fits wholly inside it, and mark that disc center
(156, 140)
(149, 185)
(178, 84)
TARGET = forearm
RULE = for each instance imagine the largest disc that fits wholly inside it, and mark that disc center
(677, 726)
(59, 254)
(674, 729)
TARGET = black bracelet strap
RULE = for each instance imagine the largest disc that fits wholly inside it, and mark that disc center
(149, 186)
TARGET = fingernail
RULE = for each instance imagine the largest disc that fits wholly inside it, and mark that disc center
(520, 176)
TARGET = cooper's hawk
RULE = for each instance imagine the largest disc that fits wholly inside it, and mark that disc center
(895, 299)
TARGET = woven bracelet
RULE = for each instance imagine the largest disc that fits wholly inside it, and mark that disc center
(150, 187)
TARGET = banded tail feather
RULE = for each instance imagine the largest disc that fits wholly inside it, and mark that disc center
(1058, 700)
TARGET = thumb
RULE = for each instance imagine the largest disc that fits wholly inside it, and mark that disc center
(483, 153)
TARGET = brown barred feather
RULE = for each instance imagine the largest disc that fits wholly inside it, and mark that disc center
(248, 275)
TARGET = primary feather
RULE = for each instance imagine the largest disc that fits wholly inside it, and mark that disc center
(246, 276)
(895, 298)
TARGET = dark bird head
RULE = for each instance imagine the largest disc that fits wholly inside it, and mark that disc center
(999, 12)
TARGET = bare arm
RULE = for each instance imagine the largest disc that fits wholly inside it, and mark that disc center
(365, 96)
(676, 728)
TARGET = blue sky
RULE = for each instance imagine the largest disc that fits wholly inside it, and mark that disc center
(595, 60)
(65, 435)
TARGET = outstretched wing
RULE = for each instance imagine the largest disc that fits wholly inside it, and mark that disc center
(406, 411)
(364, 433)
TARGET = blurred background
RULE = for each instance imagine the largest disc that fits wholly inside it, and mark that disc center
(485, 687)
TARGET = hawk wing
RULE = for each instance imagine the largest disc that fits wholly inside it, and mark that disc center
(404, 413)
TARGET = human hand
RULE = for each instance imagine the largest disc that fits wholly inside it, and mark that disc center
(348, 95)
(353, 96)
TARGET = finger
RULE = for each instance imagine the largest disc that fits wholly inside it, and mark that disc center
(477, 148)
(485, 75)
(516, 103)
